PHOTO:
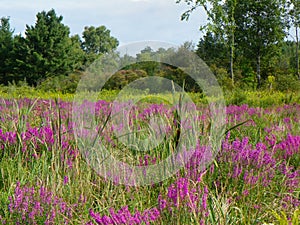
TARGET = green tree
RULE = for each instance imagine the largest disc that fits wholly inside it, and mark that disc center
(23, 68)
(122, 78)
(212, 50)
(97, 41)
(47, 50)
(146, 62)
(6, 49)
(230, 27)
(253, 28)
(294, 19)
(221, 22)
(260, 29)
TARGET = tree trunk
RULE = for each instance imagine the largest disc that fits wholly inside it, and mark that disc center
(231, 58)
(258, 69)
(297, 53)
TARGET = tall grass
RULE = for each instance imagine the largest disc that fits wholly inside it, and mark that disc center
(44, 178)
(262, 98)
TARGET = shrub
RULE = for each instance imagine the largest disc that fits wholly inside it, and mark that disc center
(64, 84)
(287, 82)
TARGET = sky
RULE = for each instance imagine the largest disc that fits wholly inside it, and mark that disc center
(128, 20)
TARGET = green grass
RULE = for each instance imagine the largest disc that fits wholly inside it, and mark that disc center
(263, 98)
(227, 202)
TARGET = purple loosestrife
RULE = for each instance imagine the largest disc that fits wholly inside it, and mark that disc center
(204, 198)
(288, 147)
(258, 166)
(66, 180)
(9, 137)
(162, 203)
(124, 216)
(196, 164)
(178, 191)
(33, 205)
(271, 139)
(187, 195)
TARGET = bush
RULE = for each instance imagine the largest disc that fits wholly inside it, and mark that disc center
(287, 82)
(64, 84)
(239, 97)
(222, 77)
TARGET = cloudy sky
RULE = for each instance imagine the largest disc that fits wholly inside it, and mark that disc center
(128, 20)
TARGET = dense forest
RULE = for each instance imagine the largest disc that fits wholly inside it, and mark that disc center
(247, 44)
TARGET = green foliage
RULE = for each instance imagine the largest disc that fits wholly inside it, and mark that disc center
(229, 200)
(96, 41)
(176, 62)
(6, 50)
(238, 98)
(62, 83)
(48, 53)
(21, 90)
(212, 50)
(222, 77)
(151, 68)
(236, 30)
(287, 82)
(245, 33)
(259, 30)
(47, 50)
(122, 78)
(263, 99)
(282, 218)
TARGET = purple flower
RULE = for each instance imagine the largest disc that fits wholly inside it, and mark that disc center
(35, 205)
(66, 180)
(162, 203)
(204, 198)
(245, 192)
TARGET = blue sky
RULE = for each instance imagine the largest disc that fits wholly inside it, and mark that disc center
(128, 20)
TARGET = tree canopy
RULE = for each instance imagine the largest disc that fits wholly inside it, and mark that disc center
(50, 50)
(250, 33)
(6, 49)
(47, 49)
(243, 42)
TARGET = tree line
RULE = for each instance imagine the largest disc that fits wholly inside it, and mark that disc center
(248, 44)
(48, 57)
(250, 39)
(47, 49)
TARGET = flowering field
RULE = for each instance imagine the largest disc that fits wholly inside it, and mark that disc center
(44, 178)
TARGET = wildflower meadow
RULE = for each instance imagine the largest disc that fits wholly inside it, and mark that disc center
(46, 178)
